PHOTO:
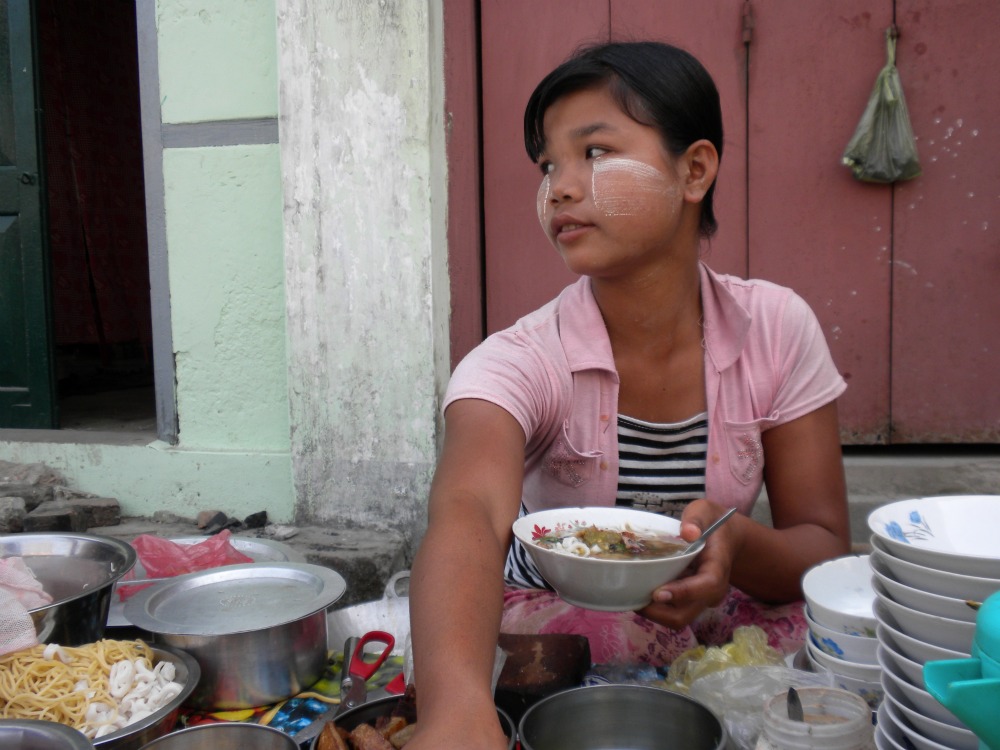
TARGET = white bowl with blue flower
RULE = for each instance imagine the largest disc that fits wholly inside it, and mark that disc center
(853, 648)
(839, 595)
(958, 533)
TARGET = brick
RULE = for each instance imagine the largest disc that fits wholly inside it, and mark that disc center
(55, 517)
(12, 513)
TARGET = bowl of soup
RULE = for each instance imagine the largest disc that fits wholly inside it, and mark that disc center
(609, 559)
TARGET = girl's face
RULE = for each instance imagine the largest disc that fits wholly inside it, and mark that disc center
(611, 197)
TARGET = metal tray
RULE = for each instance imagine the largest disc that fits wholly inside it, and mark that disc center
(235, 598)
(261, 550)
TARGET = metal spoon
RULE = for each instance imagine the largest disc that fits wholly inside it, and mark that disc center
(700, 541)
(794, 705)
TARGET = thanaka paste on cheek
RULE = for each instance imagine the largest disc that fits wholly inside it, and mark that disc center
(542, 202)
(619, 186)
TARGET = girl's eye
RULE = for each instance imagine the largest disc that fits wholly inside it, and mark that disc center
(545, 166)
(594, 151)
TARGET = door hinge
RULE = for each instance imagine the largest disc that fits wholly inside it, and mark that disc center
(747, 22)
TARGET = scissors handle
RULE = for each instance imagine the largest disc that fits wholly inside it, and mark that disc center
(362, 669)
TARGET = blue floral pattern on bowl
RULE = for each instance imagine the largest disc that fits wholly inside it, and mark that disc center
(827, 646)
(917, 527)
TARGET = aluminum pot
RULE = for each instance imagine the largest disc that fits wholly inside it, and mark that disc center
(632, 716)
(225, 736)
(79, 572)
(33, 734)
(390, 614)
(368, 712)
(258, 631)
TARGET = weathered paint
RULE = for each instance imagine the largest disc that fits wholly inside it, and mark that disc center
(361, 152)
(217, 59)
(224, 239)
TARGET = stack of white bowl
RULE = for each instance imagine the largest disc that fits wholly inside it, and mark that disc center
(930, 557)
(839, 611)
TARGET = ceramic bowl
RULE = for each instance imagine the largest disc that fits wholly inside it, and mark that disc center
(903, 736)
(601, 584)
(866, 672)
(952, 634)
(856, 648)
(911, 670)
(840, 596)
(916, 696)
(887, 735)
(956, 533)
(919, 651)
(922, 601)
(935, 581)
(869, 688)
(958, 738)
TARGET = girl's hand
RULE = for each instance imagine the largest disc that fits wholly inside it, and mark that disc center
(462, 731)
(705, 584)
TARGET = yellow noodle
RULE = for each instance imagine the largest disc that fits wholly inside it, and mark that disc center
(33, 687)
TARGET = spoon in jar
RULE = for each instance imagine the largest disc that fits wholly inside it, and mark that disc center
(700, 541)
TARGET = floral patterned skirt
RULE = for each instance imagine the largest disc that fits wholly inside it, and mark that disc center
(627, 637)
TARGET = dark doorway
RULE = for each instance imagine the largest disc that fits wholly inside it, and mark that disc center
(93, 187)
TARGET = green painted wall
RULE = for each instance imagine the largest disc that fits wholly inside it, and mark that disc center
(227, 296)
(217, 59)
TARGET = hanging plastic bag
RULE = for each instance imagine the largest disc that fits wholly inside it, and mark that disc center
(883, 148)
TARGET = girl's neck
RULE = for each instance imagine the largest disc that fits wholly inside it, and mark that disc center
(659, 308)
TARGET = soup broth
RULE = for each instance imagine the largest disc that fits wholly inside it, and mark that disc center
(612, 544)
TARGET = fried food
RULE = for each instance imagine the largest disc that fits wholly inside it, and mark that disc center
(332, 738)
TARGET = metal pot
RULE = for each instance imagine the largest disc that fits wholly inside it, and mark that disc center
(32, 734)
(368, 712)
(225, 736)
(390, 614)
(632, 716)
(79, 572)
(258, 631)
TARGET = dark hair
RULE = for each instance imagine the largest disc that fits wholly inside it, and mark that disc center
(655, 84)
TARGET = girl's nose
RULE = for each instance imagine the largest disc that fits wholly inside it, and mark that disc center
(566, 184)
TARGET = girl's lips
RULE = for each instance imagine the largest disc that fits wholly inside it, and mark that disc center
(567, 227)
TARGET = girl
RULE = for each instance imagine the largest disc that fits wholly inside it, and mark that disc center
(651, 382)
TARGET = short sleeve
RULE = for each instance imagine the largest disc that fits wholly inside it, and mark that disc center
(807, 377)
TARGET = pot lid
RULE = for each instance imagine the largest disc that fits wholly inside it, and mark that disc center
(235, 599)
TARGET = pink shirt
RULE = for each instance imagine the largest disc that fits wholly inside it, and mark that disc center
(766, 363)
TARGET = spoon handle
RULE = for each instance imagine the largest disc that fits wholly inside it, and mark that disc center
(721, 520)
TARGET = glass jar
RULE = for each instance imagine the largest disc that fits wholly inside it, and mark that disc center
(833, 719)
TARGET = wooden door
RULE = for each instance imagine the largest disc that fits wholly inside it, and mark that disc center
(903, 277)
(26, 383)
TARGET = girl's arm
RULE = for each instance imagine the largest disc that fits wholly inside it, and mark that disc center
(456, 586)
(804, 475)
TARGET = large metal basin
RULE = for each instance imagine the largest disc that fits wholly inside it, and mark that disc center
(79, 572)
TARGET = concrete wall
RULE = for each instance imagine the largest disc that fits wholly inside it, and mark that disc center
(363, 171)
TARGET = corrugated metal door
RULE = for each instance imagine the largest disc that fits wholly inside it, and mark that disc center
(903, 278)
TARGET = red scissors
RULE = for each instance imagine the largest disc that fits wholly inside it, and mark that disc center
(357, 671)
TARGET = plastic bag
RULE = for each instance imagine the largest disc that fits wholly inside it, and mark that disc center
(749, 648)
(738, 695)
(883, 148)
(162, 558)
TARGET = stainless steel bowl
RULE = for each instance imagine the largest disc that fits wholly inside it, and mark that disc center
(632, 716)
(79, 572)
(225, 736)
(368, 712)
(159, 722)
(31, 734)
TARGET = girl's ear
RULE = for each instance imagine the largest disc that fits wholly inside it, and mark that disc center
(702, 162)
